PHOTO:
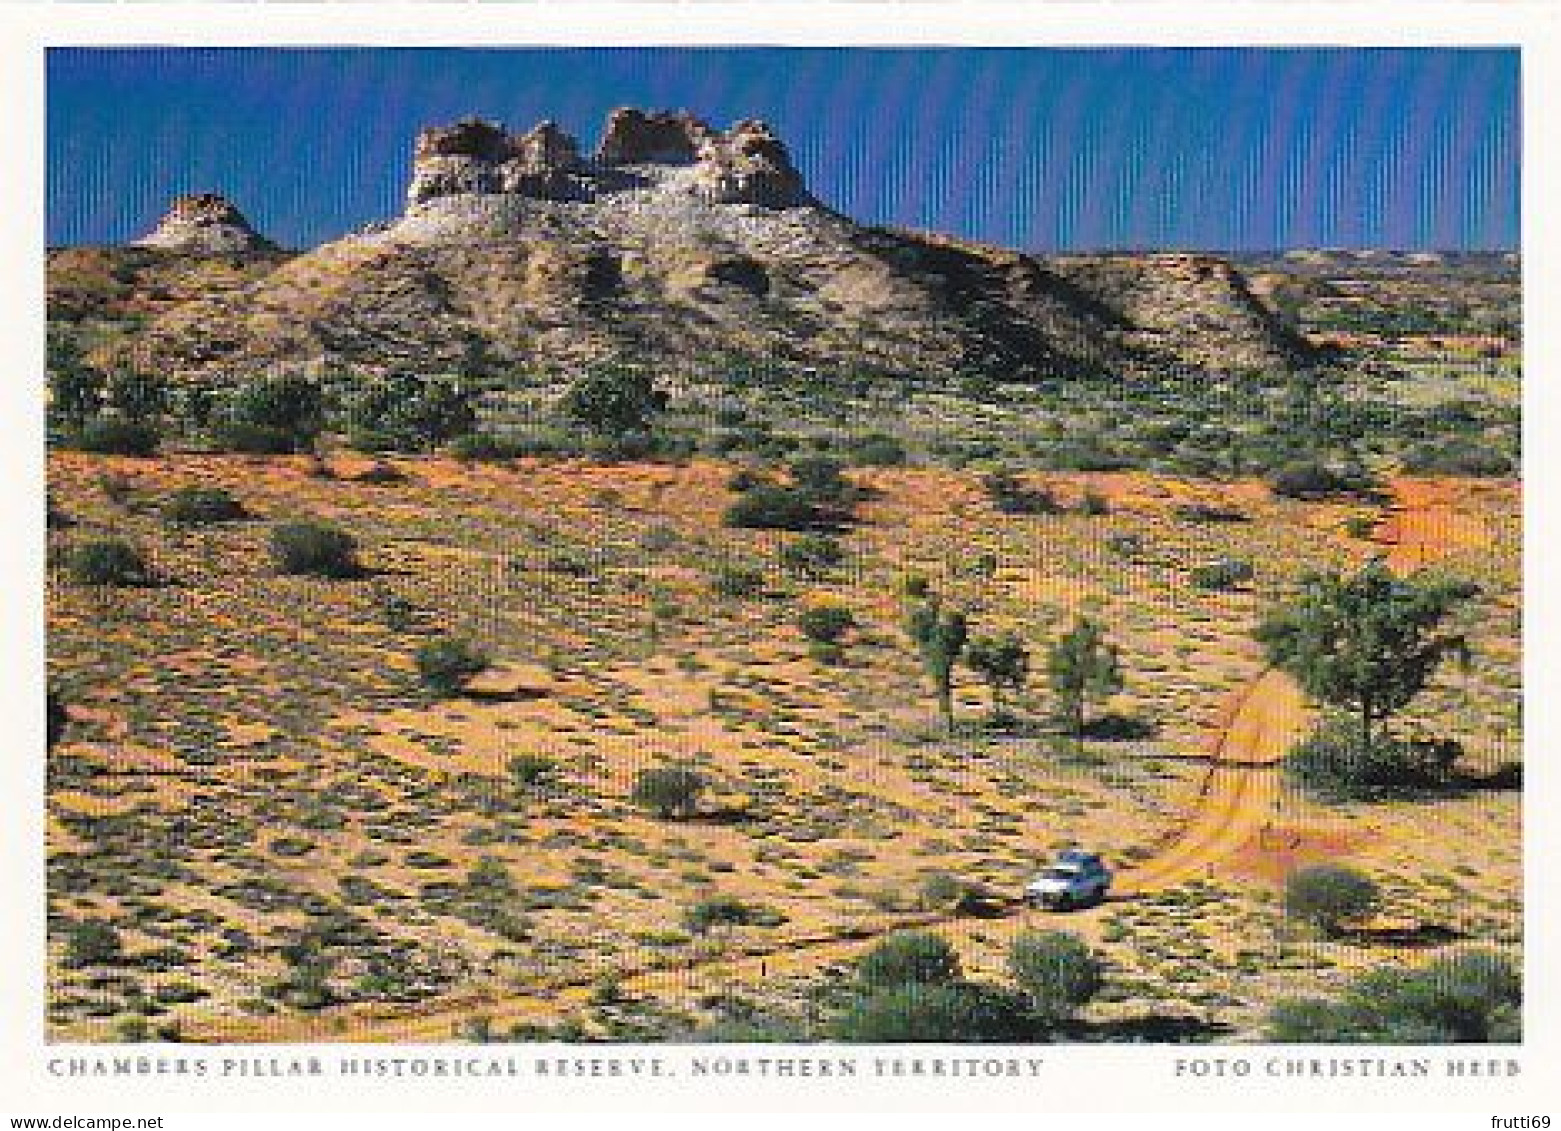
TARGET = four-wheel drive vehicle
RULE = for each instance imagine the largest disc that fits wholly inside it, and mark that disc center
(1075, 878)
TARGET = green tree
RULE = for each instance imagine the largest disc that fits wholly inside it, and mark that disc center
(615, 402)
(75, 388)
(274, 414)
(1366, 643)
(137, 397)
(940, 638)
(669, 791)
(1056, 970)
(405, 412)
(1003, 662)
(1328, 896)
(906, 957)
(1082, 667)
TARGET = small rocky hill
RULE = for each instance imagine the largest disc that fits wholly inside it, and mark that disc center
(681, 243)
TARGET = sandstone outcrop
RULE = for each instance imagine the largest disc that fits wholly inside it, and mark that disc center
(204, 223)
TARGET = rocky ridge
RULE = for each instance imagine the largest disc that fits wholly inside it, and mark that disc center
(681, 242)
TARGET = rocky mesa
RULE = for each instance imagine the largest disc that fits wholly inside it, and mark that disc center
(677, 242)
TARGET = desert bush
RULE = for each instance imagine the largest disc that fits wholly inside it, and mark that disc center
(109, 561)
(532, 771)
(773, 508)
(820, 478)
(1457, 457)
(1328, 896)
(1336, 764)
(314, 549)
(825, 623)
(723, 911)
(92, 942)
(1475, 997)
(448, 664)
(272, 415)
(1222, 574)
(1056, 970)
(614, 403)
(812, 555)
(198, 506)
(1094, 503)
(906, 957)
(56, 716)
(916, 586)
(1209, 513)
(1010, 495)
(732, 580)
(669, 791)
(944, 1012)
(876, 450)
(115, 435)
(1313, 479)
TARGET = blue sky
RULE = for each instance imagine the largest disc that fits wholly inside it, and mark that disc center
(1042, 149)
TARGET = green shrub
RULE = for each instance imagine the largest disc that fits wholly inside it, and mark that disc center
(479, 447)
(1222, 574)
(917, 586)
(906, 957)
(110, 561)
(812, 555)
(876, 450)
(1056, 970)
(1094, 503)
(198, 506)
(1457, 457)
(773, 508)
(731, 580)
(314, 549)
(1313, 479)
(448, 664)
(113, 435)
(825, 623)
(1328, 896)
(532, 771)
(272, 415)
(1209, 513)
(93, 942)
(1475, 997)
(726, 911)
(1336, 764)
(669, 791)
(820, 477)
(946, 1012)
(1011, 496)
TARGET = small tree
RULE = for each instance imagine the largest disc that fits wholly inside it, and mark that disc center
(109, 561)
(312, 548)
(909, 957)
(1082, 668)
(405, 412)
(273, 414)
(448, 664)
(615, 402)
(1328, 896)
(1056, 970)
(75, 392)
(1003, 662)
(1367, 643)
(137, 397)
(812, 555)
(940, 638)
(671, 791)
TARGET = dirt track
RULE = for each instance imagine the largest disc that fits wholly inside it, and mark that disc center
(1236, 800)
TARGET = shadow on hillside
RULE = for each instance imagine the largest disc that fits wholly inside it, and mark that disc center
(1423, 936)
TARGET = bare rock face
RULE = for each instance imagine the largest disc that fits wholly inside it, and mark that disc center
(205, 223)
(670, 155)
(633, 137)
(478, 157)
